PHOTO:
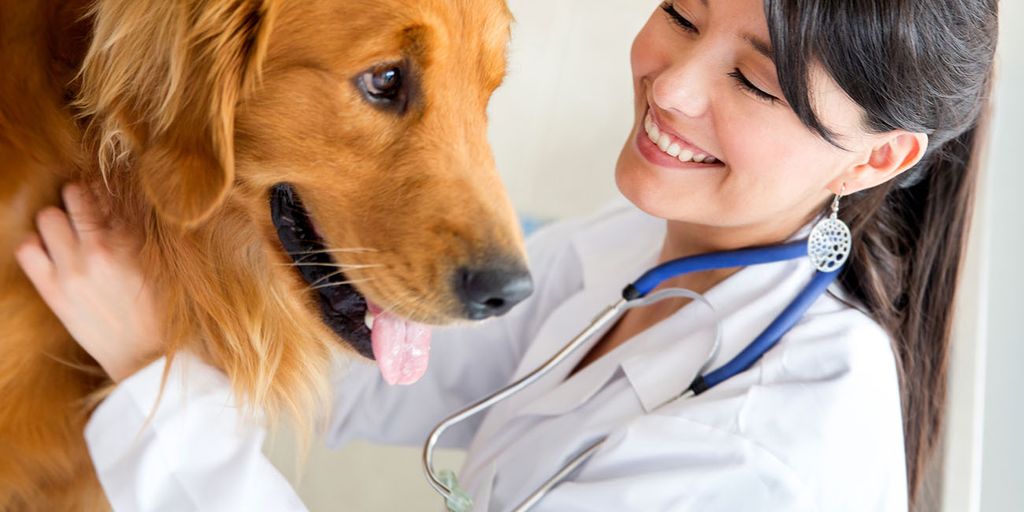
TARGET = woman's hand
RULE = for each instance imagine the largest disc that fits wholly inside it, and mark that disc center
(87, 272)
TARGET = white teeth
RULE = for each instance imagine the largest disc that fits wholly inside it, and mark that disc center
(673, 149)
(663, 142)
(368, 320)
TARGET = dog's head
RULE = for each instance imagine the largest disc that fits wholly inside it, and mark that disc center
(352, 133)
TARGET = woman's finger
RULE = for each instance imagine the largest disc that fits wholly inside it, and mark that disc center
(37, 266)
(58, 237)
(86, 221)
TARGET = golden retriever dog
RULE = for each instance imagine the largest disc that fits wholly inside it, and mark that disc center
(288, 164)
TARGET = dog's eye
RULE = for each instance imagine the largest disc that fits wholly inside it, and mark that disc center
(383, 85)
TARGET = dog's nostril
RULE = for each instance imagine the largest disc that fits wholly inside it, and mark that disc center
(491, 291)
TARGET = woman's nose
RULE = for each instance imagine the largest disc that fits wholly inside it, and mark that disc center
(683, 88)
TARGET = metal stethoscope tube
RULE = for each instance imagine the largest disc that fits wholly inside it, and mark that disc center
(639, 294)
(456, 500)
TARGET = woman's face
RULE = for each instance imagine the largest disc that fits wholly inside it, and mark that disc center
(705, 86)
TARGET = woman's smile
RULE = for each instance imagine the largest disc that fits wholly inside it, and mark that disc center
(661, 146)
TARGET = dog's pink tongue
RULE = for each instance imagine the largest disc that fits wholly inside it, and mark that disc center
(401, 347)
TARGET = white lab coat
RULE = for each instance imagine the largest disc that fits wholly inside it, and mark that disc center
(814, 425)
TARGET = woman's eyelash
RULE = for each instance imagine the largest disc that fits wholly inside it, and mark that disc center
(747, 85)
(741, 80)
(677, 18)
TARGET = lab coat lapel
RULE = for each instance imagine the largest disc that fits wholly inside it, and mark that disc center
(746, 303)
(607, 268)
(556, 393)
(643, 358)
(670, 363)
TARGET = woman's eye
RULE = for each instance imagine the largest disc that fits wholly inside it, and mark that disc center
(747, 85)
(677, 18)
(383, 85)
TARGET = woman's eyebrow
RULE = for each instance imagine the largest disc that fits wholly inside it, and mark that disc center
(760, 45)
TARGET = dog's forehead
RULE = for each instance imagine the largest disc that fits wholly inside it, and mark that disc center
(459, 16)
(377, 29)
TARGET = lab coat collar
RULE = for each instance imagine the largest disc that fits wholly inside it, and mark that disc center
(617, 247)
(664, 363)
(745, 304)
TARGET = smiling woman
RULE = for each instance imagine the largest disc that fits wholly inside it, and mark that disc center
(891, 110)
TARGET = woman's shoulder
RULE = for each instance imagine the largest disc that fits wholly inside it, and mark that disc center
(838, 368)
(826, 403)
(839, 363)
(838, 341)
(829, 406)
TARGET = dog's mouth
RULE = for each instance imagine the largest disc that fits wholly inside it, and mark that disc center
(400, 347)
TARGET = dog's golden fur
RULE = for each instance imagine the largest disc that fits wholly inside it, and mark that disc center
(180, 115)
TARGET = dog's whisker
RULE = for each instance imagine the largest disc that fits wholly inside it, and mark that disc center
(321, 251)
(336, 265)
(341, 283)
(321, 279)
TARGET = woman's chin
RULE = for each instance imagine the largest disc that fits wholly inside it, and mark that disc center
(645, 193)
(657, 191)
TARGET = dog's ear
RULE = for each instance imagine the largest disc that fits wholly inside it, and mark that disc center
(161, 82)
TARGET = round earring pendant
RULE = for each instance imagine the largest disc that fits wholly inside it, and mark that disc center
(829, 244)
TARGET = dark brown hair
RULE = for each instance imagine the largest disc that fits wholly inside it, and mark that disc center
(923, 66)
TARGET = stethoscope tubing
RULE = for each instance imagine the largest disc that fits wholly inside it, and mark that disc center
(607, 317)
(713, 261)
(638, 294)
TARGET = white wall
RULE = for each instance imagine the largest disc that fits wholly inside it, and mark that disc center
(1002, 477)
(558, 123)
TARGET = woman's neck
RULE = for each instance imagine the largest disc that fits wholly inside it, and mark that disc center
(682, 239)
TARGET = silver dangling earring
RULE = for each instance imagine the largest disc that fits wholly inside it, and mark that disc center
(830, 241)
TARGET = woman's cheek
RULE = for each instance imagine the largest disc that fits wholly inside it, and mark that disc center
(745, 136)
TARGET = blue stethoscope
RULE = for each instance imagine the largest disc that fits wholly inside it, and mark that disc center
(828, 249)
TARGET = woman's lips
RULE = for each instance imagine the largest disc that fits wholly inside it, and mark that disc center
(656, 156)
(672, 143)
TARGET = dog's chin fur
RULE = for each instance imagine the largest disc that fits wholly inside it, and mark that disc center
(180, 116)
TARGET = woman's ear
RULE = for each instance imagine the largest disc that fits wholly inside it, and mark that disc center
(894, 153)
(164, 77)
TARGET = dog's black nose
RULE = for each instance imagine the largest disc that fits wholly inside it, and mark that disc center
(492, 291)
